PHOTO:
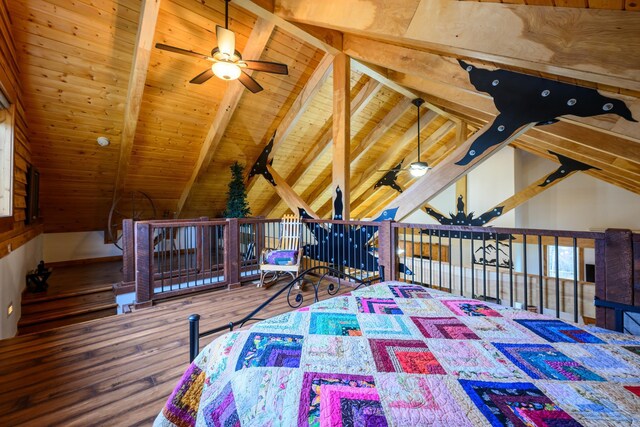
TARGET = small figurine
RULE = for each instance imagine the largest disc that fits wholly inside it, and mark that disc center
(37, 279)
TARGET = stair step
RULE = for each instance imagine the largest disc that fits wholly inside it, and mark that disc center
(97, 313)
(30, 298)
(49, 316)
(70, 302)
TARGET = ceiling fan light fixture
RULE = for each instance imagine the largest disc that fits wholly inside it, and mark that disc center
(418, 168)
(226, 70)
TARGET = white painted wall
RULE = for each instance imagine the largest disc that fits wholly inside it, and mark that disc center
(487, 185)
(73, 246)
(13, 271)
(579, 202)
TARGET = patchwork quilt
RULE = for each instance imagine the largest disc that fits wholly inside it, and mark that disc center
(402, 355)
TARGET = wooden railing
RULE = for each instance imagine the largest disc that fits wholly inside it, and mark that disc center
(170, 258)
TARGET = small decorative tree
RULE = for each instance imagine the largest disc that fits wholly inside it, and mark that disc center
(237, 205)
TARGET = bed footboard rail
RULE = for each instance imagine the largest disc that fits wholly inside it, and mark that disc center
(316, 276)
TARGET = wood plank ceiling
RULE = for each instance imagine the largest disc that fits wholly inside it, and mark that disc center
(76, 59)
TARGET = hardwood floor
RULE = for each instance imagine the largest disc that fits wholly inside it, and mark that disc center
(116, 371)
(76, 293)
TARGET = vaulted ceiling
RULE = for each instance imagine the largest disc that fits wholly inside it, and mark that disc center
(89, 69)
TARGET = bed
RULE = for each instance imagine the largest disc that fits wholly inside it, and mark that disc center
(394, 354)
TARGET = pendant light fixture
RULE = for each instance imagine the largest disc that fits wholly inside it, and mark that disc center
(418, 168)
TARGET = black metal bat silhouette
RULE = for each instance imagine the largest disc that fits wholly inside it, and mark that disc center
(346, 245)
(260, 166)
(522, 99)
(461, 218)
(389, 178)
(567, 166)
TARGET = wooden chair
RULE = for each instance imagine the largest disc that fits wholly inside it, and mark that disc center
(291, 230)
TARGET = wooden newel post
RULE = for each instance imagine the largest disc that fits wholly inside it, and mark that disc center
(387, 239)
(128, 251)
(144, 263)
(232, 252)
(614, 273)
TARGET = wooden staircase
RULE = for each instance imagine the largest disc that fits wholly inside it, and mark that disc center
(76, 294)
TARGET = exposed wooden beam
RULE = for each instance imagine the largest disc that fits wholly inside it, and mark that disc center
(381, 76)
(341, 147)
(432, 151)
(287, 26)
(367, 142)
(290, 197)
(461, 184)
(298, 107)
(527, 193)
(444, 174)
(255, 45)
(139, 66)
(321, 147)
(443, 77)
(576, 43)
(390, 158)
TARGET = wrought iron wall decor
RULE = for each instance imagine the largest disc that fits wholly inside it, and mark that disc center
(567, 166)
(522, 99)
(260, 166)
(346, 246)
(389, 178)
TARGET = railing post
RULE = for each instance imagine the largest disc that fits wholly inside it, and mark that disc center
(128, 252)
(144, 263)
(232, 252)
(387, 257)
(203, 247)
(194, 336)
(614, 273)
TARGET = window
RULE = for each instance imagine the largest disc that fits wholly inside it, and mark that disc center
(6, 160)
(565, 261)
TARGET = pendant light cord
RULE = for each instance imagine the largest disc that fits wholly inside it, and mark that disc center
(226, 14)
(418, 108)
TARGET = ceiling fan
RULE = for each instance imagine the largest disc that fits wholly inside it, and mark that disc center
(227, 61)
(416, 168)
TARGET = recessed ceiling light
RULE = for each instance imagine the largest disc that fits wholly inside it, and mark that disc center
(103, 141)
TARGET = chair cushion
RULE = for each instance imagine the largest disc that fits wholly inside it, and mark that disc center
(279, 257)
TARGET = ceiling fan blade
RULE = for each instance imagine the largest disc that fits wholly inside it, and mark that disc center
(202, 77)
(226, 40)
(183, 51)
(267, 67)
(249, 82)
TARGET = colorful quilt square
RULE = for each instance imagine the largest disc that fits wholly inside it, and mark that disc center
(267, 396)
(222, 411)
(409, 291)
(410, 356)
(470, 308)
(334, 324)
(418, 400)
(262, 349)
(295, 322)
(542, 361)
(608, 361)
(500, 329)
(383, 326)
(378, 306)
(182, 406)
(340, 303)
(327, 353)
(422, 307)
(339, 399)
(558, 331)
(473, 360)
(444, 327)
(595, 404)
(516, 404)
